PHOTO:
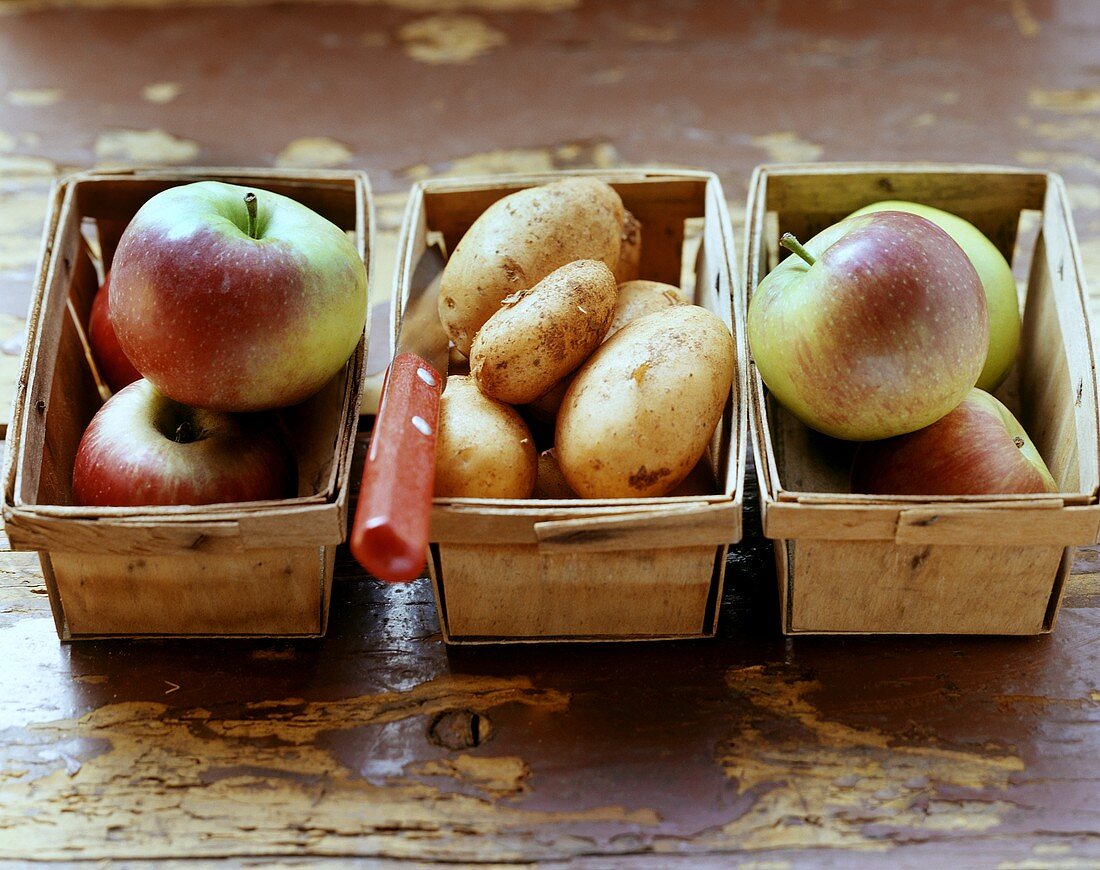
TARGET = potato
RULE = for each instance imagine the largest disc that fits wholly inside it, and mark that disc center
(483, 448)
(545, 407)
(641, 412)
(641, 297)
(551, 482)
(540, 335)
(521, 239)
(629, 264)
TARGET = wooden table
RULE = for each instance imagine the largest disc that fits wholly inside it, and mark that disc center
(750, 750)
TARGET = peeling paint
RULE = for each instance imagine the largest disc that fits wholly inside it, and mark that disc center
(314, 152)
(788, 148)
(847, 779)
(13, 7)
(161, 92)
(444, 39)
(35, 97)
(116, 147)
(160, 773)
(498, 776)
(1072, 101)
(1025, 22)
(1059, 160)
(1064, 129)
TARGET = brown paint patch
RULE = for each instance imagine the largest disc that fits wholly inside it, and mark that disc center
(821, 783)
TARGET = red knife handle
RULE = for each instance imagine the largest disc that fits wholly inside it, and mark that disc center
(389, 536)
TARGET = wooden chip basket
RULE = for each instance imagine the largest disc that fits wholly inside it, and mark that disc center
(858, 564)
(249, 569)
(582, 570)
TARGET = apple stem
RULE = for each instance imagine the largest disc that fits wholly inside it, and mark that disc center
(250, 204)
(185, 433)
(792, 244)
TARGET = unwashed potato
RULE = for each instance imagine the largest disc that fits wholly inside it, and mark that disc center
(630, 250)
(521, 239)
(551, 483)
(637, 298)
(483, 448)
(539, 336)
(641, 412)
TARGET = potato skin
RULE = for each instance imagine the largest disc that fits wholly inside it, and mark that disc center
(629, 265)
(483, 448)
(642, 410)
(521, 239)
(539, 336)
(551, 482)
(637, 298)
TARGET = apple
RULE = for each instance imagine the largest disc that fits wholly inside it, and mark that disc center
(875, 328)
(143, 448)
(977, 449)
(997, 281)
(112, 363)
(236, 299)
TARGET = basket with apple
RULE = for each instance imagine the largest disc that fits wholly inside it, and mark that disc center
(926, 443)
(207, 497)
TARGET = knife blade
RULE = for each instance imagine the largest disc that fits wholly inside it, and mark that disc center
(389, 535)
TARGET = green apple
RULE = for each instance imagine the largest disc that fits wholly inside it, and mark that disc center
(997, 281)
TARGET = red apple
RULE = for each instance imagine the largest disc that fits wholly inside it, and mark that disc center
(142, 448)
(977, 449)
(114, 366)
(877, 327)
(234, 298)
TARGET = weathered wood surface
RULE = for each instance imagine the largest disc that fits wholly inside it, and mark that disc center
(748, 750)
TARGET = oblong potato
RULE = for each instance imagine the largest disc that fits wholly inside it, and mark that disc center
(629, 265)
(551, 482)
(640, 413)
(539, 336)
(483, 448)
(641, 297)
(521, 239)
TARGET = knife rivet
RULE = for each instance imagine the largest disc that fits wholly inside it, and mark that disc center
(422, 424)
(426, 377)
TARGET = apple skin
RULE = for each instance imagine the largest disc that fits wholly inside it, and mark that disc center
(114, 366)
(971, 451)
(217, 319)
(883, 335)
(997, 281)
(128, 456)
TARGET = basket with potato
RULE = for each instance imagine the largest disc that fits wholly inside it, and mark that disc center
(590, 460)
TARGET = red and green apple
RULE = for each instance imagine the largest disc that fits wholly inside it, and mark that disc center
(977, 449)
(143, 448)
(876, 327)
(996, 278)
(234, 298)
(114, 366)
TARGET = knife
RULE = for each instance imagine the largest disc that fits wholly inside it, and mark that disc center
(389, 536)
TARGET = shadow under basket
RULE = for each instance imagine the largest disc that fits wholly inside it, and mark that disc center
(256, 569)
(578, 569)
(859, 564)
